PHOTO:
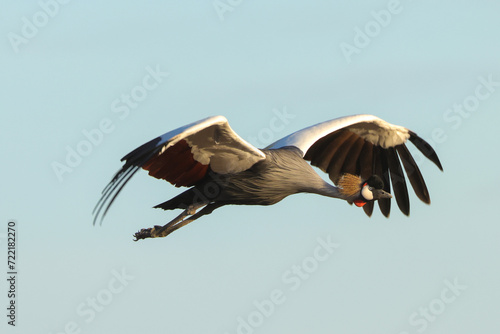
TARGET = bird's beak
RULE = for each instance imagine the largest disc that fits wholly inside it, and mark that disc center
(379, 193)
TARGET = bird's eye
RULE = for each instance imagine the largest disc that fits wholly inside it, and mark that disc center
(370, 188)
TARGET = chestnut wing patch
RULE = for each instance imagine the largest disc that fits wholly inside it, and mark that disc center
(177, 165)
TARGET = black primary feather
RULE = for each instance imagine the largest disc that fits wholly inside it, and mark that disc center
(398, 181)
(133, 162)
(425, 148)
(413, 173)
(381, 168)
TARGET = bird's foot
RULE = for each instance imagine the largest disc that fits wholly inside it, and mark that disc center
(155, 232)
(143, 234)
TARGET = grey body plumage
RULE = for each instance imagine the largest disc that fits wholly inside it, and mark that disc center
(281, 174)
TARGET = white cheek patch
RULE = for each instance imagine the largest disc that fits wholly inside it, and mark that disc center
(367, 193)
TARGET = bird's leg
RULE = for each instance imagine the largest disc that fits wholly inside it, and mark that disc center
(157, 231)
(176, 223)
(205, 211)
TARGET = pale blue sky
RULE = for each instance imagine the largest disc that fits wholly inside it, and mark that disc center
(71, 74)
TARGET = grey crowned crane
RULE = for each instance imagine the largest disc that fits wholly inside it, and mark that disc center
(362, 155)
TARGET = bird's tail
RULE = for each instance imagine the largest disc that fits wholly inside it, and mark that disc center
(183, 200)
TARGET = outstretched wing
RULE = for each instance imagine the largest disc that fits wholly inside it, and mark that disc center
(183, 157)
(365, 145)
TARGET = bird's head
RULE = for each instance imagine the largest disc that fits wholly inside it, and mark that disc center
(361, 192)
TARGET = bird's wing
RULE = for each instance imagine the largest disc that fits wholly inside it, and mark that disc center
(183, 157)
(365, 145)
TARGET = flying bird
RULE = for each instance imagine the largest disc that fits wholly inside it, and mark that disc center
(362, 155)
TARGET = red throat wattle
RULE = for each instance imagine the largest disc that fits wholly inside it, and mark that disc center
(359, 203)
